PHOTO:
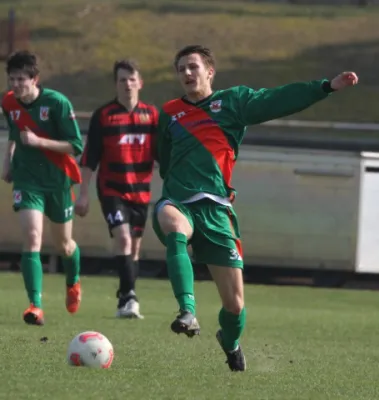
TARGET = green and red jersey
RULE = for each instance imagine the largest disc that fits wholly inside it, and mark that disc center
(50, 116)
(198, 142)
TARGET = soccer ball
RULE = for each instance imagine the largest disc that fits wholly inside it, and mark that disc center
(90, 349)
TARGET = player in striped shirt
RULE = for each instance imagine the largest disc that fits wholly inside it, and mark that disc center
(120, 143)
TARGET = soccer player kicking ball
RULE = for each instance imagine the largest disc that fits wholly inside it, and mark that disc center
(43, 137)
(198, 140)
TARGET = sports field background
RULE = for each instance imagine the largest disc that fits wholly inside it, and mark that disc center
(300, 344)
(257, 44)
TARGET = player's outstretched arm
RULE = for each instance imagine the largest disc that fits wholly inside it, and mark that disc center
(257, 106)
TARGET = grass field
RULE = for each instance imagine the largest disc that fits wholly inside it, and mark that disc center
(261, 45)
(300, 344)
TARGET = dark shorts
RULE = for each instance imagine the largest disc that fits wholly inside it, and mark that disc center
(118, 211)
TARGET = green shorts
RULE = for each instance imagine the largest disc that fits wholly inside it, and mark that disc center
(216, 237)
(57, 206)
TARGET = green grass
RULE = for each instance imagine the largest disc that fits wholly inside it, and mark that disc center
(300, 344)
(261, 45)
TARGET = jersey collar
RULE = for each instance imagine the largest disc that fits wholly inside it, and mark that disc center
(197, 103)
(30, 105)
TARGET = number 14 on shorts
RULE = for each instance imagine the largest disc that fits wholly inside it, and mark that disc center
(115, 218)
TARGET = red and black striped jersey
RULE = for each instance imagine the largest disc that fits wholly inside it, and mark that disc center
(121, 144)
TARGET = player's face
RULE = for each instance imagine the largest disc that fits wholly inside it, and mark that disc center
(21, 84)
(194, 75)
(128, 84)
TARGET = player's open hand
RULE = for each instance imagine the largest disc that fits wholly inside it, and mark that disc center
(344, 80)
(82, 205)
(29, 138)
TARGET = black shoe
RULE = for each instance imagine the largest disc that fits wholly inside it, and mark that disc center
(186, 323)
(235, 359)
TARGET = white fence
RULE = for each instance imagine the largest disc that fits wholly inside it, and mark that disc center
(289, 123)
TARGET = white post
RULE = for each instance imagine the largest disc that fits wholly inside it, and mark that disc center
(53, 264)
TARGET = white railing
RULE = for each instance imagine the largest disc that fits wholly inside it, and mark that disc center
(289, 123)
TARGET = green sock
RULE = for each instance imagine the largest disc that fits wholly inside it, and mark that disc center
(232, 326)
(71, 266)
(31, 268)
(180, 271)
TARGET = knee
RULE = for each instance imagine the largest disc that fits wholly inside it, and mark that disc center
(171, 220)
(33, 240)
(169, 224)
(234, 304)
(66, 248)
(175, 226)
(123, 243)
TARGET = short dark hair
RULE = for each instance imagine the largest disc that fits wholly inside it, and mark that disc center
(24, 61)
(127, 64)
(205, 53)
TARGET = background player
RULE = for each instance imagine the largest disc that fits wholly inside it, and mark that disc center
(121, 141)
(198, 140)
(43, 137)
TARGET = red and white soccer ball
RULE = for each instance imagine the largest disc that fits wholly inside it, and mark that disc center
(90, 349)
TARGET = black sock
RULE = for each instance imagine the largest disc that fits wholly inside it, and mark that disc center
(126, 273)
(136, 268)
